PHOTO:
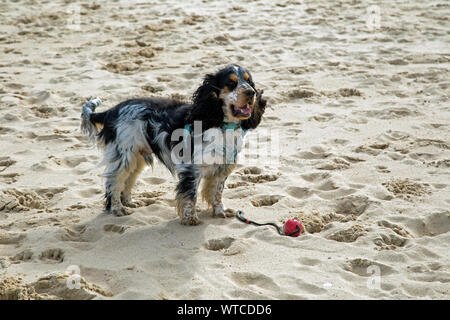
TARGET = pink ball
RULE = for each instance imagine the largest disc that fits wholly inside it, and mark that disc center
(291, 226)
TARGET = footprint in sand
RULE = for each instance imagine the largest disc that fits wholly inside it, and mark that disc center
(81, 233)
(253, 175)
(74, 161)
(239, 193)
(23, 200)
(302, 285)
(389, 113)
(5, 163)
(250, 170)
(328, 185)
(6, 130)
(354, 205)
(299, 192)
(262, 178)
(25, 255)
(10, 237)
(315, 153)
(55, 286)
(436, 223)
(391, 241)
(324, 117)
(115, 228)
(445, 163)
(4, 264)
(9, 178)
(52, 255)
(382, 169)
(72, 234)
(328, 189)
(427, 272)
(367, 150)
(395, 135)
(360, 266)
(311, 262)
(348, 234)
(379, 146)
(429, 225)
(352, 159)
(423, 156)
(237, 184)
(406, 189)
(90, 192)
(295, 132)
(265, 200)
(145, 199)
(255, 279)
(396, 228)
(219, 244)
(395, 156)
(42, 166)
(336, 193)
(51, 287)
(59, 138)
(44, 112)
(315, 176)
(334, 164)
(349, 92)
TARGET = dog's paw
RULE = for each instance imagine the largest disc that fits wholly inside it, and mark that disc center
(121, 211)
(224, 213)
(190, 221)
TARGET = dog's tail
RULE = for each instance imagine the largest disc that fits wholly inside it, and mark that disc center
(89, 118)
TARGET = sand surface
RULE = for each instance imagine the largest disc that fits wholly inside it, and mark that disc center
(361, 111)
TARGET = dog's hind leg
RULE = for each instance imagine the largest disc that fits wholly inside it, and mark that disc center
(131, 180)
(117, 172)
(114, 186)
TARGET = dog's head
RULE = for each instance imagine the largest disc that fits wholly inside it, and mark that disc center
(234, 86)
(228, 95)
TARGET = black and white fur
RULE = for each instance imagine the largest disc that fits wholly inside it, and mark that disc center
(136, 130)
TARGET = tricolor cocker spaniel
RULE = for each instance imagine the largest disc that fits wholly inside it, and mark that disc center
(195, 141)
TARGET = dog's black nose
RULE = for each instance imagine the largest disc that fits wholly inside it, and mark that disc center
(250, 93)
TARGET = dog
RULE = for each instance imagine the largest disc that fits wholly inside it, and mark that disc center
(178, 134)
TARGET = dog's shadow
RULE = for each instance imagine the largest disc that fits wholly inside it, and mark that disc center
(158, 256)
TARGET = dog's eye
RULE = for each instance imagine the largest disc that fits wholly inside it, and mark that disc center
(231, 84)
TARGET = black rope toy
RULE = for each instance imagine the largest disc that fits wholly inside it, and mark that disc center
(292, 227)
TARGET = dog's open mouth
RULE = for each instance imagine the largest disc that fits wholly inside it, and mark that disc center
(244, 111)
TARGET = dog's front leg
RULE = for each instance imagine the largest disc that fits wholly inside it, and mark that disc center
(217, 205)
(187, 195)
(212, 194)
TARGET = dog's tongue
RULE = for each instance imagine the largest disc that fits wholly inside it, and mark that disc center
(245, 110)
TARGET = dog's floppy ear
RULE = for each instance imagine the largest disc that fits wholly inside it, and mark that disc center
(207, 105)
(257, 112)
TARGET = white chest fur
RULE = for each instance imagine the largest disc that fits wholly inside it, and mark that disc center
(218, 146)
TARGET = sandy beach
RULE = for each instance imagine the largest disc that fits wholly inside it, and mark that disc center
(358, 97)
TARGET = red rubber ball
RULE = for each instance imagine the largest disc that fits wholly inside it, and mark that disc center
(291, 226)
